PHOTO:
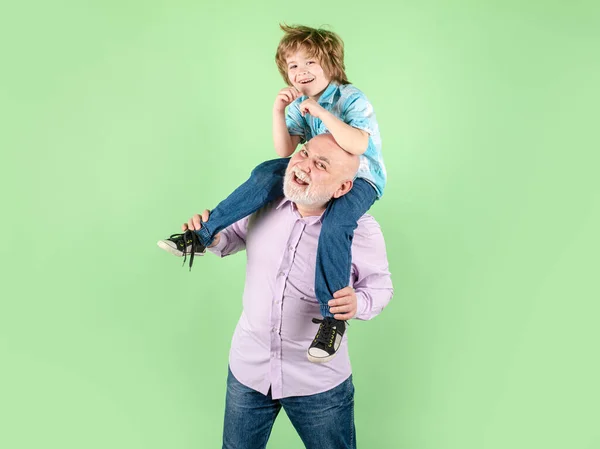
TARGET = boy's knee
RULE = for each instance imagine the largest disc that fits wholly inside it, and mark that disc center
(271, 167)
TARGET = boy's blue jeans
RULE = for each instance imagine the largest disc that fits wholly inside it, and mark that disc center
(323, 421)
(334, 254)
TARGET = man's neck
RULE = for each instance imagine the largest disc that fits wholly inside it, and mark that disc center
(310, 211)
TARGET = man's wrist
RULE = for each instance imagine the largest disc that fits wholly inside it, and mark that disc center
(361, 305)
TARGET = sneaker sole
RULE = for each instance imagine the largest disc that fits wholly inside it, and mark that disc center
(319, 359)
(169, 247)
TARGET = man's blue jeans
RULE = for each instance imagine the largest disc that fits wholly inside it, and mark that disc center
(323, 421)
(334, 254)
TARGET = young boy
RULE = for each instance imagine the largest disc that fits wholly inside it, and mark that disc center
(320, 100)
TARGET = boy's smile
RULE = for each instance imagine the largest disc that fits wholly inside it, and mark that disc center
(306, 74)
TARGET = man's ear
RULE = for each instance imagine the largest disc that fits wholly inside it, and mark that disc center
(344, 188)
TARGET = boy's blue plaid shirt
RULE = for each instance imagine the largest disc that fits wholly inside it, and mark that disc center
(351, 106)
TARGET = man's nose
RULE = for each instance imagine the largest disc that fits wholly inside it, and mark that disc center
(304, 165)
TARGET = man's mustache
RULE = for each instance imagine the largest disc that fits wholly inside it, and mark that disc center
(301, 175)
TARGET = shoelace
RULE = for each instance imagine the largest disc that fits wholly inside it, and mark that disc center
(325, 331)
(195, 244)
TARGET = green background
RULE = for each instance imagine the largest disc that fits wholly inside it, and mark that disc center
(120, 119)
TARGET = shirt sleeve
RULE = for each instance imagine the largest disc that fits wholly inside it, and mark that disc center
(370, 269)
(294, 121)
(232, 239)
(358, 113)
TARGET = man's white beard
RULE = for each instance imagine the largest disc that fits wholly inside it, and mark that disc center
(303, 196)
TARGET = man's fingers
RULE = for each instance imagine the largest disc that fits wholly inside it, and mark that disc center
(340, 301)
(343, 292)
(205, 215)
(344, 316)
(342, 309)
(196, 221)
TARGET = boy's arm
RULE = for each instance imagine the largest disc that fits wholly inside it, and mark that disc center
(353, 140)
(285, 143)
(351, 133)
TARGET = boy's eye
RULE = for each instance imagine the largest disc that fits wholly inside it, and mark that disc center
(310, 62)
(292, 67)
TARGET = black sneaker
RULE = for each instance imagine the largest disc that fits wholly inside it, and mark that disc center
(327, 341)
(183, 244)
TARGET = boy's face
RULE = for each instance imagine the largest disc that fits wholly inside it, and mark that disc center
(306, 74)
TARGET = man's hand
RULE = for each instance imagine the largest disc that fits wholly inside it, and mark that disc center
(195, 223)
(285, 97)
(310, 106)
(344, 304)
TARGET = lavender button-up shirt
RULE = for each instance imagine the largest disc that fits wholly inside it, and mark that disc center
(269, 345)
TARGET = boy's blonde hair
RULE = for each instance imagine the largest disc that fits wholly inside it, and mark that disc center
(326, 46)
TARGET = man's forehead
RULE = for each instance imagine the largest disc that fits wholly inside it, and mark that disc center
(323, 150)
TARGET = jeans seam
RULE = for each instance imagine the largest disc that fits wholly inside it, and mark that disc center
(352, 426)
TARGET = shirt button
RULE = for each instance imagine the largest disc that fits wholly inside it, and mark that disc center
(292, 248)
(281, 274)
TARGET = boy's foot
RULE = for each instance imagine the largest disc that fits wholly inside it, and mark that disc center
(327, 341)
(183, 244)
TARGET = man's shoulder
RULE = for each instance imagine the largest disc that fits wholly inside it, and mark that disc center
(367, 227)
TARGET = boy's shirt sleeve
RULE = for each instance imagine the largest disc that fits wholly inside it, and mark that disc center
(295, 122)
(358, 113)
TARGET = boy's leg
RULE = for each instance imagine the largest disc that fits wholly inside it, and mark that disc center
(324, 420)
(264, 185)
(249, 416)
(334, 261)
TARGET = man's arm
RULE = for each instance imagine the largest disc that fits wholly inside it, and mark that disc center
(372, 279)
(231, 239)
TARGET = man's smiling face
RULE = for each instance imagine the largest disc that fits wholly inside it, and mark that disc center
(317, 172)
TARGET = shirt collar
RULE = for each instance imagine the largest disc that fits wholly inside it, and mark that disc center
(328, 94)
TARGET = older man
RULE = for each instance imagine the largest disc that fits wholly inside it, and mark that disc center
(268, 364)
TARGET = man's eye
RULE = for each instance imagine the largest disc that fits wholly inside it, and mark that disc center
(303, 153)
(320, 166)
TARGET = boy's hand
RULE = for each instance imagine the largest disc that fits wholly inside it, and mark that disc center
(195, 223)
(310, 106)
(344, 305)
(285, 97)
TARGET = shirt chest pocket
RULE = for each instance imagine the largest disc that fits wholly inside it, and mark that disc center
(308, 267)
(302, 275)
(320, 127)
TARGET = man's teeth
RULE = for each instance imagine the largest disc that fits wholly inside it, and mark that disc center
(301, 181)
